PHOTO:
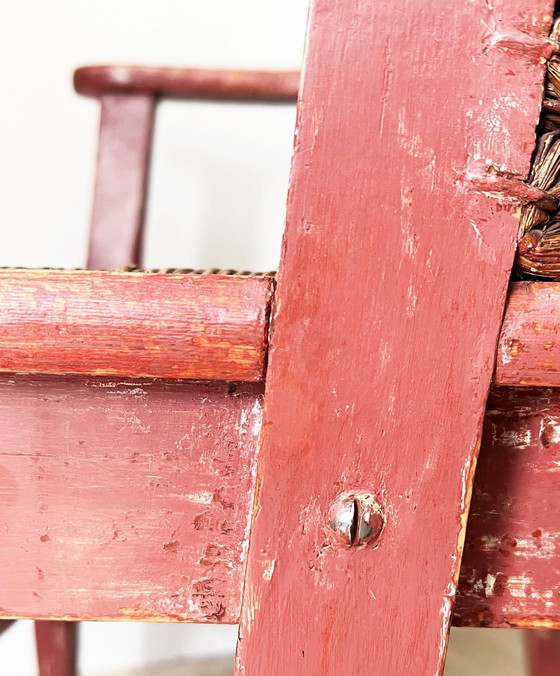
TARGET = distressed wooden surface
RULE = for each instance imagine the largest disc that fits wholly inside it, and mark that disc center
(69, 321)
(250, 85)
(510, 575)
(57, 644)
(415, 128)
(123, 157)
(109, 470)
(529, 346)
(134, 324)
(125, 499)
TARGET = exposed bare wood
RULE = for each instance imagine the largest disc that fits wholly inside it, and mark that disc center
(134, 324)
(250, 85)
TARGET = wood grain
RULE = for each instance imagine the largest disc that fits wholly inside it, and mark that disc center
(123, 159)
(391, 289)
(113, 491)
(125, 499)
(188, 83)
(510, 575)
(59, 308)
(134, 324)
(529, 346)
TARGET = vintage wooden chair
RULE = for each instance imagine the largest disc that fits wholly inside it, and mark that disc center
(328, 516)
(128, 97)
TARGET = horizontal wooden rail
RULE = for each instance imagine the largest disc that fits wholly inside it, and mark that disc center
(208, 327)
(125, 499)
(510, 572)
(529, 347)
(131, 499)
(211, 327)
(233, 85)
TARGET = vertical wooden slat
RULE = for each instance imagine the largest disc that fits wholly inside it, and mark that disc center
(56, 648)
(122, 174)
(416, 127)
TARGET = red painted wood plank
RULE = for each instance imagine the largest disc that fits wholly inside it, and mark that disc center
(125, 499)
(396, 258)
(152, 314)
(510, 575)
(83, 459)
(122, 173)
(134, 324)
(56, 648)
(529, 346)
(188, 83)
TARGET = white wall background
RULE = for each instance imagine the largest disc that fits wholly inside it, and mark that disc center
(217, 192)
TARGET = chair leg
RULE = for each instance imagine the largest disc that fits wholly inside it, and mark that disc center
(56, 647)
(5, 624)
(543, 652)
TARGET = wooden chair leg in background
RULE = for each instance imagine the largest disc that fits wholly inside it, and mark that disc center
(543, 652)
(120, 188)
(56, 647)
(4, 625)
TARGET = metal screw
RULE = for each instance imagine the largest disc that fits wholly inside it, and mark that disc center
(356, 519)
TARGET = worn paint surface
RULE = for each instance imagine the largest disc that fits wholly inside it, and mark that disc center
(132, 324)
(510, 574)
(205, 326)
(95, 444)
(415, 128)
(529, 347)
(125, 499)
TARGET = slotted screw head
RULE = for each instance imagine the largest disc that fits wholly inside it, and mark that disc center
(356, 519)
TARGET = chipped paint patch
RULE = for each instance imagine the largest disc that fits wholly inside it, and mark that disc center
(268, 569)
(489, 584)
(516, 438)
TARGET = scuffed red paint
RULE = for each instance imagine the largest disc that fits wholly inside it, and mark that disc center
(401, 229)
(511, 563)
(125, 499)
(529, 349)
(211, 327)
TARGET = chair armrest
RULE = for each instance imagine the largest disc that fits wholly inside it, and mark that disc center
(235, 85)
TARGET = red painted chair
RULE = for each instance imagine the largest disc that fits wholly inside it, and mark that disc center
(341, 546)
(128, 97)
